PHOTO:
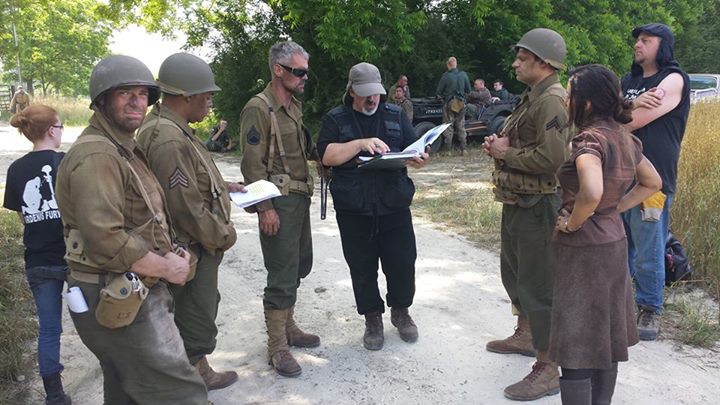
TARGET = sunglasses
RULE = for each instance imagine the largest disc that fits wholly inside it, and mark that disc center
(297, 72)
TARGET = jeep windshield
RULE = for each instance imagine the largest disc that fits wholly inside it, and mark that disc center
(698, 82)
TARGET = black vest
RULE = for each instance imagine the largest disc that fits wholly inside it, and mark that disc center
(370, 192)
(662, 137)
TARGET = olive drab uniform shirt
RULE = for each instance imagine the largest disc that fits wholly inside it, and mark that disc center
(255, 141)
(196, 193)
(113, 208)
(19, 102)
(539, 143)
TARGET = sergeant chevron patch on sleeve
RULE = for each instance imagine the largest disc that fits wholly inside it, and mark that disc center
(553, 123)
(178, 178)
(253, 136)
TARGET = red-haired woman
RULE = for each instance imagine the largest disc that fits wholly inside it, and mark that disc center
(30, 191)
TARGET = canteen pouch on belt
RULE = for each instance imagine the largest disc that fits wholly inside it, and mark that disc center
(282, 181)
(120, 301)
(456, 105)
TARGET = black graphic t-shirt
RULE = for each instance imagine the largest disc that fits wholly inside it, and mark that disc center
(30, 190)
(662, 137)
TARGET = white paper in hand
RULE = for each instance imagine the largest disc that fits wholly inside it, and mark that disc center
(258, 191)
(426, 139)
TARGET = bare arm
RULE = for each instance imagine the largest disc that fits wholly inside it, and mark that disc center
(590, 174)
(648, 182)
(672, 87)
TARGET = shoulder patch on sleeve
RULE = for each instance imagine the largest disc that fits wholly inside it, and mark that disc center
(178, 178)
(253, 136)
(553, 123)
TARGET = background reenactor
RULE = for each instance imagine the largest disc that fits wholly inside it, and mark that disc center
(276, 147)
(402, 82)
(454, 85)
(197, 197)
(403, 102)
(533, 144)
(119, 247)
(19, 101)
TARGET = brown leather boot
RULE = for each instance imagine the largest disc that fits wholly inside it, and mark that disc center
(295, 336)
(278, 351)
(544, 379)
(519, 342)
(373, 339)
(400, 318)
(214, 380)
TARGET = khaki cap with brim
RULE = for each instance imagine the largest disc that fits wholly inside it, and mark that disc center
(365, 80)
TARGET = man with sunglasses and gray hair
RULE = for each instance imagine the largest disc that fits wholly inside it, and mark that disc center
(276, 148)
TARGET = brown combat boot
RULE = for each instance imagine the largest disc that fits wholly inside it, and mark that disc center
(520, 342)
(400, 318)
(214, 380)
(373, 339)
(278, 351)
(543, 380)
(295, 336)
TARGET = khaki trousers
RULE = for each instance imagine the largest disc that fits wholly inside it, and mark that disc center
(145, 362)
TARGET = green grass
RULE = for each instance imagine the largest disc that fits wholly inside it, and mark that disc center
(462, 197)
(694, 213)
(17, 322)
(695, 319)
(73, 112)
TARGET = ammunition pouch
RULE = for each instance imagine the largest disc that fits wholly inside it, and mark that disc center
(524, 183)
(120, 300)
(286, 185)
(282, 181)
(75, 246)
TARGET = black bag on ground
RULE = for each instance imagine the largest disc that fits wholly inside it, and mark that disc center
(677, 265)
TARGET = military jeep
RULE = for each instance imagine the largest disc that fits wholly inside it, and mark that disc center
(428, 113)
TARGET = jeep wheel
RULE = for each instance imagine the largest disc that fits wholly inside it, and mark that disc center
(425, 126)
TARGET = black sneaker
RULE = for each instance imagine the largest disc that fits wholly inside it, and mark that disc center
(648, 323)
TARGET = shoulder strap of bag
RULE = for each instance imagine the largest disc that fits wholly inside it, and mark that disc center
(274, 138)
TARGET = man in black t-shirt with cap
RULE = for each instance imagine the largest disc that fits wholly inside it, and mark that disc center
(660, 92)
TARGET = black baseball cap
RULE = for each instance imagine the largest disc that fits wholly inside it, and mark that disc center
(655, 29)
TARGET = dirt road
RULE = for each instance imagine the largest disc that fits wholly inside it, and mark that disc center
(460, 305)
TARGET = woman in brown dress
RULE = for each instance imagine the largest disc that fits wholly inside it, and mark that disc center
(593, 320)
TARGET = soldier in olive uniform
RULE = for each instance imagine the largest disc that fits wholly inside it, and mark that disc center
(116, 230)
(276, 147)
(20, 100)
(453, 87)
(532, 145)
(403, 102)
(197, 197)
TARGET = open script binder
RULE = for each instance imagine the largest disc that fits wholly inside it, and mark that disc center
(258, 191)
(396, 160)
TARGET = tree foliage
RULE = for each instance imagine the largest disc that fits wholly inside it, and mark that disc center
(412, 37)
(59, 42)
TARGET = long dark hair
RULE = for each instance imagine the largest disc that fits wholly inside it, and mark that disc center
(600, 87)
